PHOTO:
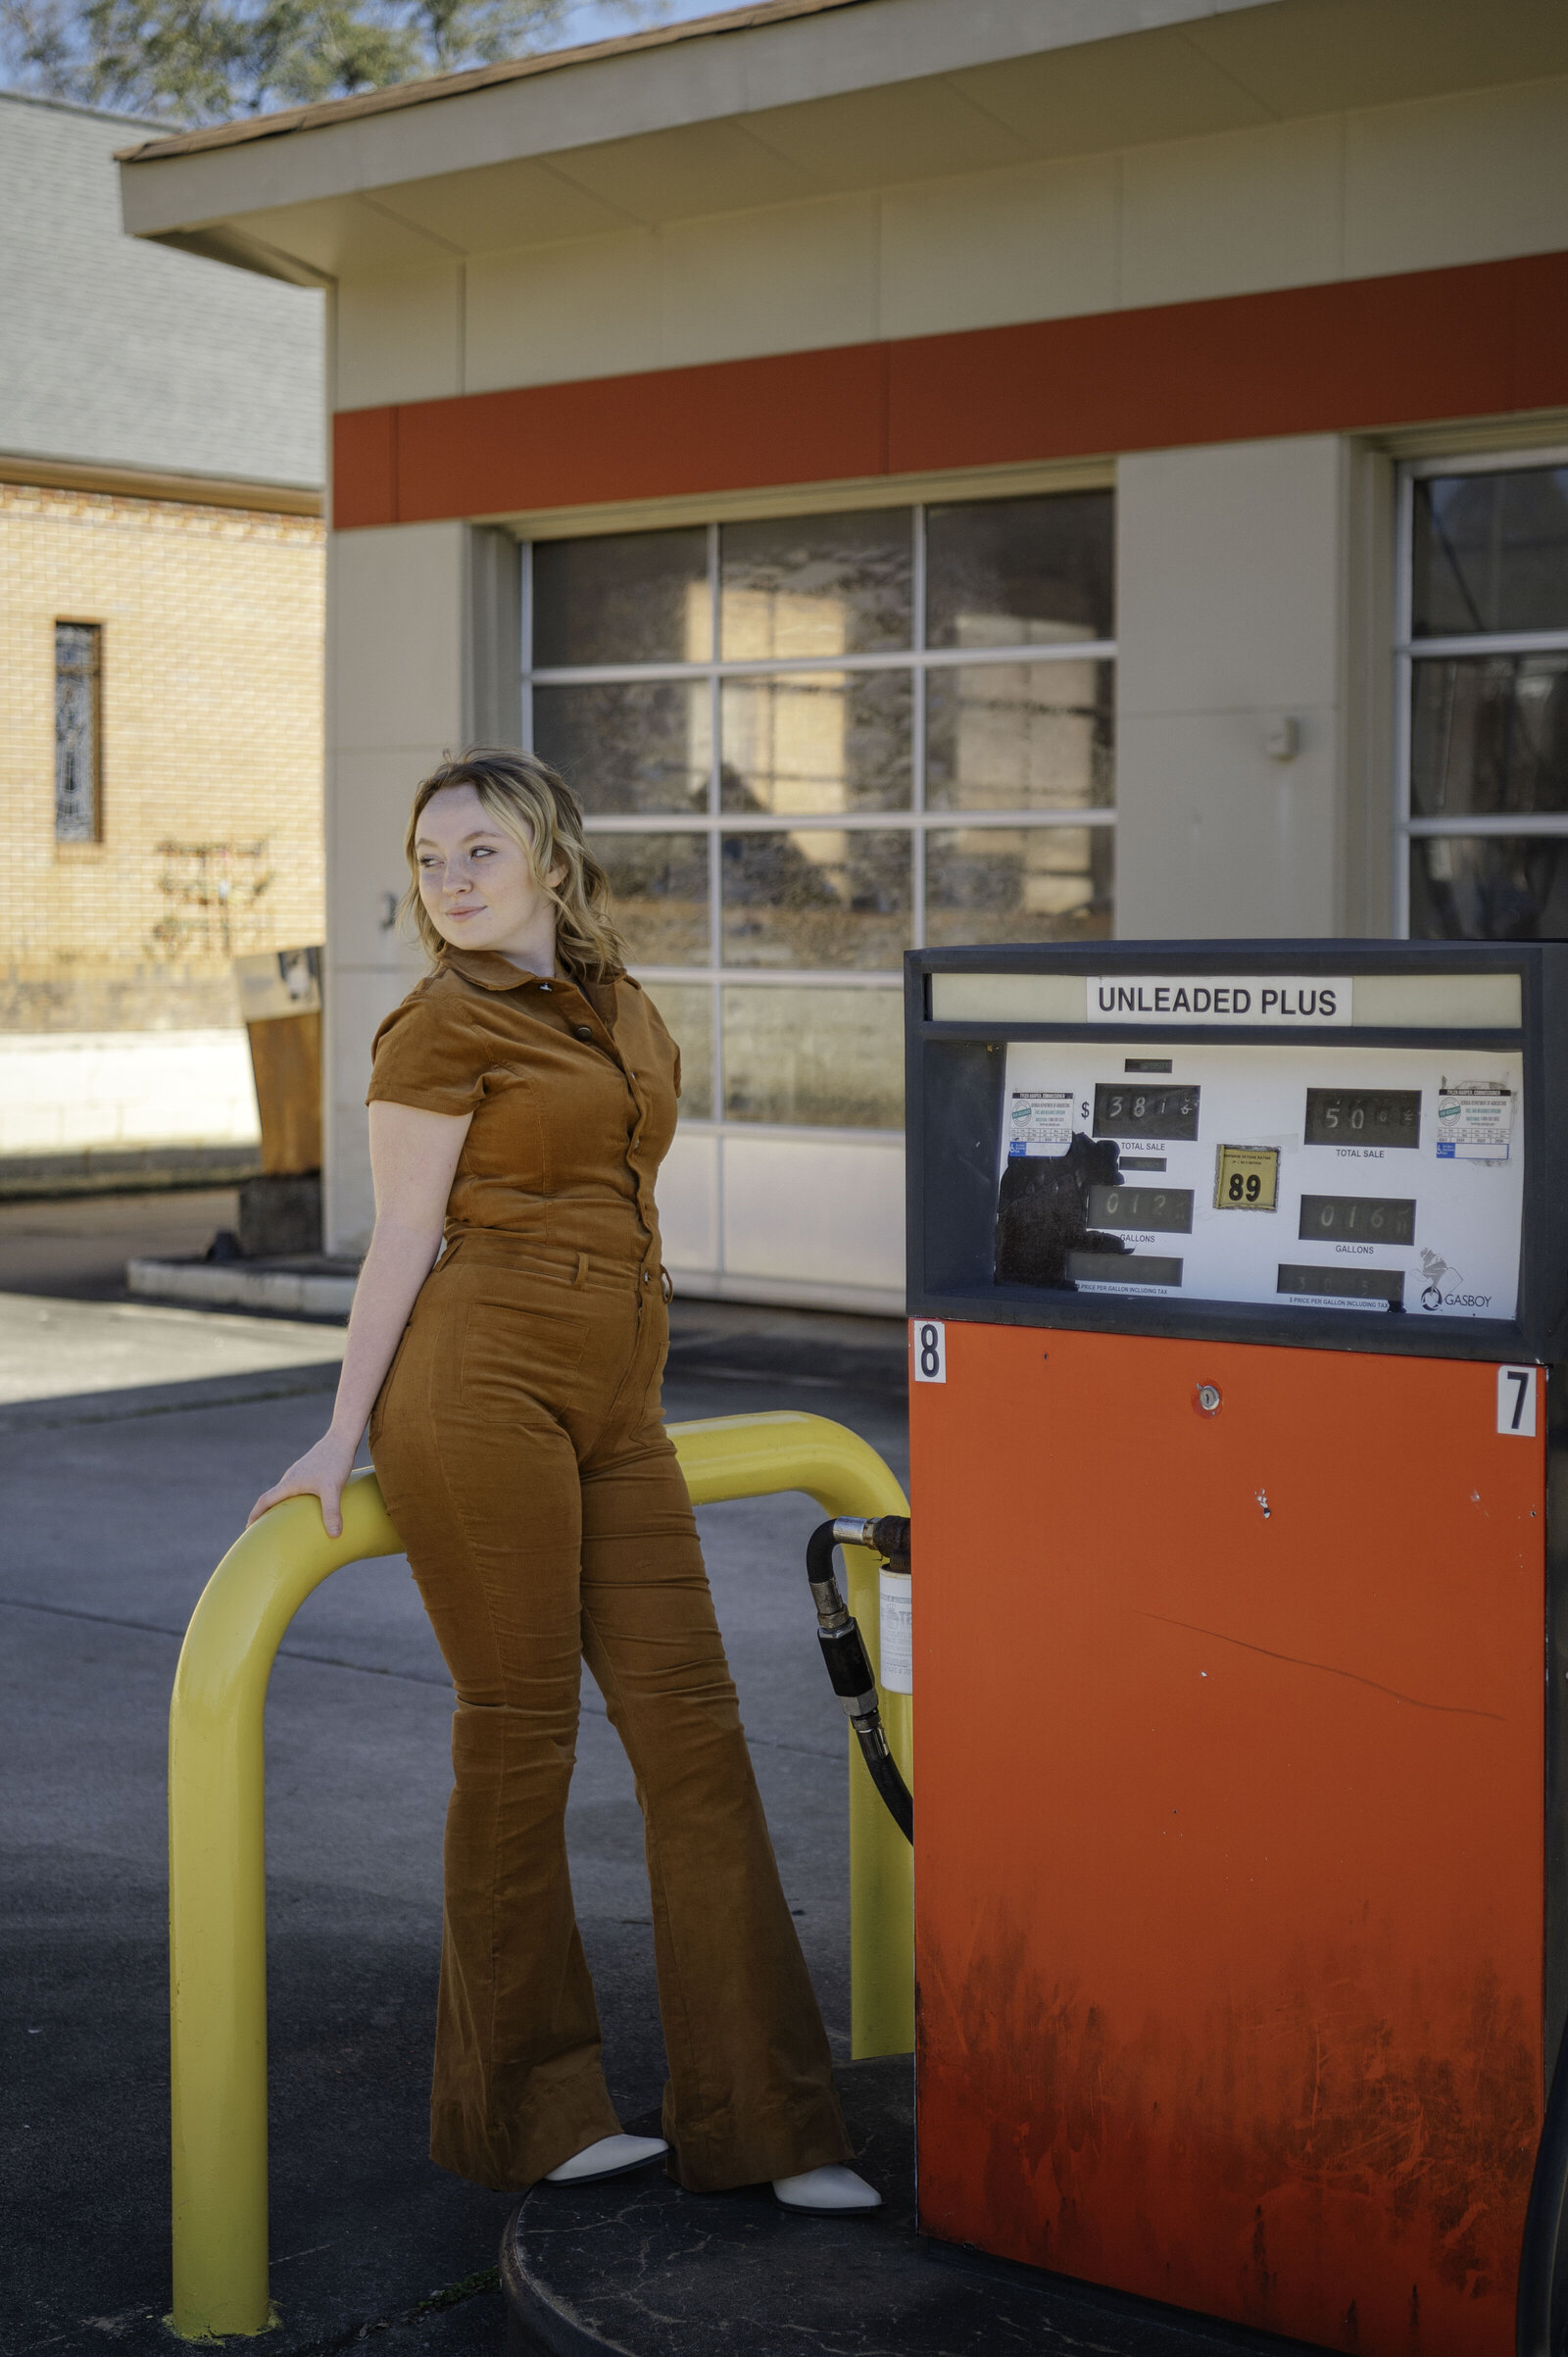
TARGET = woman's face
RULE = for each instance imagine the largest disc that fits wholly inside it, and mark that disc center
(477, 883)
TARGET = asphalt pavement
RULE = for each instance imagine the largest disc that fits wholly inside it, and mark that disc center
(75, 1247)
(132, 1441)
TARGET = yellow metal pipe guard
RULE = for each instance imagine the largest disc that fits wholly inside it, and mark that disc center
(217, 1843)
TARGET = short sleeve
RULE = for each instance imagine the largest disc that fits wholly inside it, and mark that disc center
(660, 1030)
(429, 1053)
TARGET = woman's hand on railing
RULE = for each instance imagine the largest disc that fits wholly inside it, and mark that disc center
(319, 1473)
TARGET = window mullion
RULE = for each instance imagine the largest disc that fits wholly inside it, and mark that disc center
(1403, 686)
(715, 873)
(525, 642)
(1467, 648)
(1491, 822)
(769, 666)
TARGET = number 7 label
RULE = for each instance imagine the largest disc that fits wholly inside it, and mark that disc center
(1516, 1401)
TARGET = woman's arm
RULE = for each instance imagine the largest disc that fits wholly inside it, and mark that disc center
(414, 1156)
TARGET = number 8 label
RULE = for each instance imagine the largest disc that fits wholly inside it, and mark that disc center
(929, 1338)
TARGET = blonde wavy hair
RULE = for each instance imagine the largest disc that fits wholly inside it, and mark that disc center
(541, 814)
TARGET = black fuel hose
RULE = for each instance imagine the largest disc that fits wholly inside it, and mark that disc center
(844, 1648)
(1548, 2194)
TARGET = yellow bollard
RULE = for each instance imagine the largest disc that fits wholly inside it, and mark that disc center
(218, 1900)
(217, 1839)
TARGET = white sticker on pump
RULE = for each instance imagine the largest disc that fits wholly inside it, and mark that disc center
(896, 1666)
(1039, 1122)
(929, 1338)
(1516, 1401)
(1474, 1124)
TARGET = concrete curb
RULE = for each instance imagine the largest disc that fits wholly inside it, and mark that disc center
(230, 1284)
(142, 1170)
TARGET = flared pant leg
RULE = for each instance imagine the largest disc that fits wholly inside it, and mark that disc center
(493, 1540)
(750, 2095)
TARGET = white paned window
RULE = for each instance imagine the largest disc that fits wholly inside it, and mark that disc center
(806, 744)
(1483, 699)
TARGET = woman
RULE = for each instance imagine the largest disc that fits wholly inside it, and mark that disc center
(522, 1099)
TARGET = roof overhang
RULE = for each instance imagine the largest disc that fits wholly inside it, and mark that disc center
(791, 100)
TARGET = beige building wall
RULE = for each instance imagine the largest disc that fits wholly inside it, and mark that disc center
(1231, 574)
(401, 695)
(210, 773)
(1477, 175)
(1254, 725)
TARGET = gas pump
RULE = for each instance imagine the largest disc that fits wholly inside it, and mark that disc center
(1235, 1279)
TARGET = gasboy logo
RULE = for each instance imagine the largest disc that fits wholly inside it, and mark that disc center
(1433, 1297)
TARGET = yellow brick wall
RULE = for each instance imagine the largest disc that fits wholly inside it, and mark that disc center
(211, 653)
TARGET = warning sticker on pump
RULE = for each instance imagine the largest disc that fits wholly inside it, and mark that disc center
(1039, 1122)
(1474, 1124)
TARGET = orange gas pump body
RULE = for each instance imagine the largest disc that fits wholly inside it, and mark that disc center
(1230, 1832)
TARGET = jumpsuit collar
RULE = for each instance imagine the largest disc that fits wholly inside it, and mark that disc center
(491, 971)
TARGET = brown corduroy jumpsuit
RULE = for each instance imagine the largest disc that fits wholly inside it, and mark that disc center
(520, 1448)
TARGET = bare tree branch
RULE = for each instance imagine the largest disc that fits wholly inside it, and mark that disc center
(192, 61)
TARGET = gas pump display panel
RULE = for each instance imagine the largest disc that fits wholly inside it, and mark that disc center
(1345, 1146)
(1363, 1180)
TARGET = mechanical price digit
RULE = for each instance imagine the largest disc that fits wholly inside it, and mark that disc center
(1343, 1284)
(1122, 1270)
(1167, 1211)
(1133, 1113)
(1363, 1117)
(1337, 1218)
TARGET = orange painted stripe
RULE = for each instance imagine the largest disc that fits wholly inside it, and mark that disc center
(364, 466)
(1488, 339)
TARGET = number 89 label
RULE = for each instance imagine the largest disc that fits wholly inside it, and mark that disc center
(928, 1337)
(1246, 1178)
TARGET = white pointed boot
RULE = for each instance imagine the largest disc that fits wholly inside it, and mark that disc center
(610, 2156)
(833, 2191)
